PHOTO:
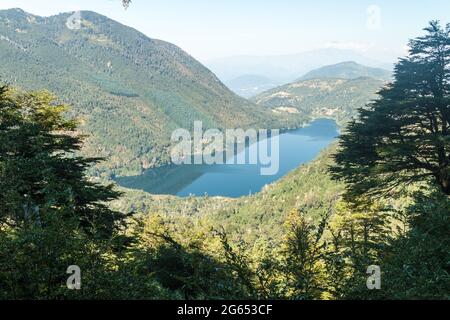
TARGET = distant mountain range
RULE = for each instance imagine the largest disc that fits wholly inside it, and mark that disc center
(249, 86)
(287, 68)
(129, 91)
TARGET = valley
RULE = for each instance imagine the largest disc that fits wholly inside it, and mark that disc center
(129, 170)
(129, 92)
(235, 180)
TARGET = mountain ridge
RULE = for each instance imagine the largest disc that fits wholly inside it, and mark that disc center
(347, 70)
(289, 67)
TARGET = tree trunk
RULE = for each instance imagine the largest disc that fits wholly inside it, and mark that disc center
(445, 185)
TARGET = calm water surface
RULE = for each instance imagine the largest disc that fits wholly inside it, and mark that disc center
(296, 147)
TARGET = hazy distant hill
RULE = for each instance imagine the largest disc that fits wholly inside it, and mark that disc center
(250, 85)
(348, 70)
(338, 99)
(129, 91)
(287, 68)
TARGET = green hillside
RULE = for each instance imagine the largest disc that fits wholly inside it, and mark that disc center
(128, 91)
(348, 70)
(338, 99)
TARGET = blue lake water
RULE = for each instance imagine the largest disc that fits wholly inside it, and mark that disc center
(296, 147)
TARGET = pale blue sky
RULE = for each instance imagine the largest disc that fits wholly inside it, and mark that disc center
(210, 29)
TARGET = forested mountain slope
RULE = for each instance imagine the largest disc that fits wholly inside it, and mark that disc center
(129, 91)
(334, 98)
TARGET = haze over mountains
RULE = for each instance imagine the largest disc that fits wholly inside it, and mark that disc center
(250, 85)
(282, 69)
(129, 91)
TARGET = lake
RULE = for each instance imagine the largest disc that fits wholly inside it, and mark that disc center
(296, 147)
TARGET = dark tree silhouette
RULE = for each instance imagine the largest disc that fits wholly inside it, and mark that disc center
(404, 137)
(39, 169)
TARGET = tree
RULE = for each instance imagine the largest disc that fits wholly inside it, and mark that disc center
(404, 136)
(182, 258)
(40, 171)
(357, 241)
(302, 260)
(416, 264)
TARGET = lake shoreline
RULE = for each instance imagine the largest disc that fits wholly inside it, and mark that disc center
(297, 147)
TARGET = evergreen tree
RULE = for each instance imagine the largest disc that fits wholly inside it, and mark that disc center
(416, 264)
(404, 137)
(357, 241)
(39, 169)
(302, 264)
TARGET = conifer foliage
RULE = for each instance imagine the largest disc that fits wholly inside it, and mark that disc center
(39, 171)
(404, 136)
